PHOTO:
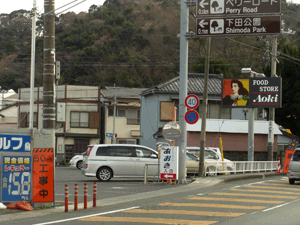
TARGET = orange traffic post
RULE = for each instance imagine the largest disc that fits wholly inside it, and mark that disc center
(66, 198)
(95, 194)
(85, 195)
(76, 198)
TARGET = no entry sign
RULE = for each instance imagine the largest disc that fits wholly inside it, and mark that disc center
(191, 116)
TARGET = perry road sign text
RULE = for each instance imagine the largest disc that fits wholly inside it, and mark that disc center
(237, 7)
(14, 143)
(250, 25)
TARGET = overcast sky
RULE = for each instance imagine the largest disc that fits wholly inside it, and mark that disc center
(12, 5)
(9, 6)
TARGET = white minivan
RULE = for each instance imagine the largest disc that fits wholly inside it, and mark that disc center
(105, 161)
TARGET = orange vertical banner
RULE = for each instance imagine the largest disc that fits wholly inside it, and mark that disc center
(43, 175)
(288, 155)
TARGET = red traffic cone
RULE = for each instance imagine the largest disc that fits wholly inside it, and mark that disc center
(278, 166)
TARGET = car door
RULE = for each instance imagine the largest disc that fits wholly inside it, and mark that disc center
(146, 156)
(121, 159)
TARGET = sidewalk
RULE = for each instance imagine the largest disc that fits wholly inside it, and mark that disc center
(9, 214)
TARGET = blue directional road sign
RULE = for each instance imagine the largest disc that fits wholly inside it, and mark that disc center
(191, 116)
(109, 134)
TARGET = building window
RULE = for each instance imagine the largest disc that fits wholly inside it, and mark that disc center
(79, 119)
(119, 112)
(25, 117)
(133, 116)
(127, 141)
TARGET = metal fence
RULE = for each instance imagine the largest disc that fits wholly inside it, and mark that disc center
(227, 167)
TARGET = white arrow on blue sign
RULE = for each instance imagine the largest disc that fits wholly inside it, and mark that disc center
(109, 134)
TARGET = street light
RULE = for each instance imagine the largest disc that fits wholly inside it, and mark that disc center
(251, 117)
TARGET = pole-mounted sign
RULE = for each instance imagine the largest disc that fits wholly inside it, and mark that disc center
(237, 7)
(191, 101)
(250, 25)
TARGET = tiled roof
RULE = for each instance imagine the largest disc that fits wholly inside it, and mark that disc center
(122, 92)
(195, 85)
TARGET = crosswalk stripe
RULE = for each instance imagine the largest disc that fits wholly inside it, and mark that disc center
(148, 220)
(213, 205)
(274, 192)
(236, 200)
(278, 181)
(288, 185)
(185, 212)
(253, 195)
(276, 188)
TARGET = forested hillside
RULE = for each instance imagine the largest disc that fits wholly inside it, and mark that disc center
(134, 43)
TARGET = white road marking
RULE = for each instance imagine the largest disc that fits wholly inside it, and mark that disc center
(279, 205)
(201, 194)
(81, 217)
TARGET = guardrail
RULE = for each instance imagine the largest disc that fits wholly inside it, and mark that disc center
(227, 167)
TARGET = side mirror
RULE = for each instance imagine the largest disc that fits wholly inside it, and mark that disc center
(153, 156)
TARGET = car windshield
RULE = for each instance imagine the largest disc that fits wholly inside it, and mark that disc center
(207, 155)
(191, 157)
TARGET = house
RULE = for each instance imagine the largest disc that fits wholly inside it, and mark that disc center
(156, 109)
(84, 116)
(126, 122)
(8, 109)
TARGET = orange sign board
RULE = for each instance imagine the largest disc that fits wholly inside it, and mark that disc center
(288, 155)
(43, 175)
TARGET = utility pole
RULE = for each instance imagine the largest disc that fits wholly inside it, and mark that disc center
(204, 111)
(183, 77)
(32, 70)
(114, 119)
(272, 110)
(273, 74)
(49, 70)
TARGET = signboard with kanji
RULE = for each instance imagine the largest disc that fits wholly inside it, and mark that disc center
(237, 7)
(249, 25)
(169, 162)
(43, 175)
(15, 143)
(288, 155)
(16, 178)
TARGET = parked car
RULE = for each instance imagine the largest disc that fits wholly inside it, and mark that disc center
(105, 161)
(196, 150)
(294, 167)
(76, 161)
(213, 161)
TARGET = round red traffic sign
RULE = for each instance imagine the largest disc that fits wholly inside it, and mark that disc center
(191, 116)
(191, 101)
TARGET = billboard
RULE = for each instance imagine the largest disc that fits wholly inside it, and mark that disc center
(251, 92)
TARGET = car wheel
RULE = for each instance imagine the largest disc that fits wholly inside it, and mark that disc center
(291, 181)
(104, 174)
(211, 171)
(79, 164)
